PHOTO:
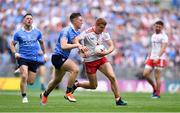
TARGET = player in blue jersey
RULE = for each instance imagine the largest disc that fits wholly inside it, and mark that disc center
(67, 40)
(30, 55)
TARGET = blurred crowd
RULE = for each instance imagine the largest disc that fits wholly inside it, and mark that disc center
(129, 24)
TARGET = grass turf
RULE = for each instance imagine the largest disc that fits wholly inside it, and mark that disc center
(10, 101)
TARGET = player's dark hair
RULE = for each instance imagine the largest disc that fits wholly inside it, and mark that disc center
(73, 16)
(100, 21)
(27, 15)
(160, 23)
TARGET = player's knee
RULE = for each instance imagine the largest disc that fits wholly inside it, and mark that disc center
(24, 78)
(76, 70)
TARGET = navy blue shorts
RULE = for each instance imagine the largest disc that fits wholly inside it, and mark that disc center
(32, 65)
(58, 61)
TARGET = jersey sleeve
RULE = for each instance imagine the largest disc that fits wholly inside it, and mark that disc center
(165, 38)
(16, 37)
(65, 34)
(106, 36)
(82, 35)
(39, 36)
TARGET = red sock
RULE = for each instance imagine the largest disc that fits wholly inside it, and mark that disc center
(154, 88)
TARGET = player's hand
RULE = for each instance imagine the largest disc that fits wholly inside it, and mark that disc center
(84, 54)
(17, 55)
(101, 54)
(82, 48)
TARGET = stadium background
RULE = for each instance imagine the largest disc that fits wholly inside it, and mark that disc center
(129, 23)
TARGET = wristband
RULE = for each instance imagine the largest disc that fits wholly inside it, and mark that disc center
(15, 53)
(45, 55)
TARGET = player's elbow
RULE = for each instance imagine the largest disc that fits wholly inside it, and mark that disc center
(12, 45)
(63, 46)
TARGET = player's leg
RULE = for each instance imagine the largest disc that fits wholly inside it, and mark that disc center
(31, 77)
(158, 81)
(91, 68)
(73, 70)
(58, 75)
(158, 68)
(107, 70)
(147, 72)
(91, 84)
(58, 62)
(32, 72)
(23, 82)
(42, 72)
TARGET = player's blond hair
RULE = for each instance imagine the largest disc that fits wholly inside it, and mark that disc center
(100, 21)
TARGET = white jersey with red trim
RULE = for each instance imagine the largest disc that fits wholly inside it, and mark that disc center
(157, 40)
(91, 40)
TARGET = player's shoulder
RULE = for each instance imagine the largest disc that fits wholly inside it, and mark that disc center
(105, 35)
(164, 34)
(67, 29)
(36, 29)
(89, 30)
(18, 31)
(153, 35)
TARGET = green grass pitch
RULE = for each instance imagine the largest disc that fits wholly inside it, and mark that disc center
(87, 101)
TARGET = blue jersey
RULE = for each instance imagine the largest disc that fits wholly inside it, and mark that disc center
(29, 47)
(69, 34)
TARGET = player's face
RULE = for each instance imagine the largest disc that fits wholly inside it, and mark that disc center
(99, 28)
(78, 22)
(28, 20)
(158, 28)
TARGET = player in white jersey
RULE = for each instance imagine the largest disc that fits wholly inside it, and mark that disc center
(97, 61)
(156, 60)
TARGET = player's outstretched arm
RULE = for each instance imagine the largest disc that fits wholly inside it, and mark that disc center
(13, 49)
(42, 44)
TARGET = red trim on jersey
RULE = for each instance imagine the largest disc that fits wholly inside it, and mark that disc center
(91, 29)
(92, 67)
(161, 63)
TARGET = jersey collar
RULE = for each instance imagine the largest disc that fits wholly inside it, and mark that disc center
(73, 28)
(26, 30)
